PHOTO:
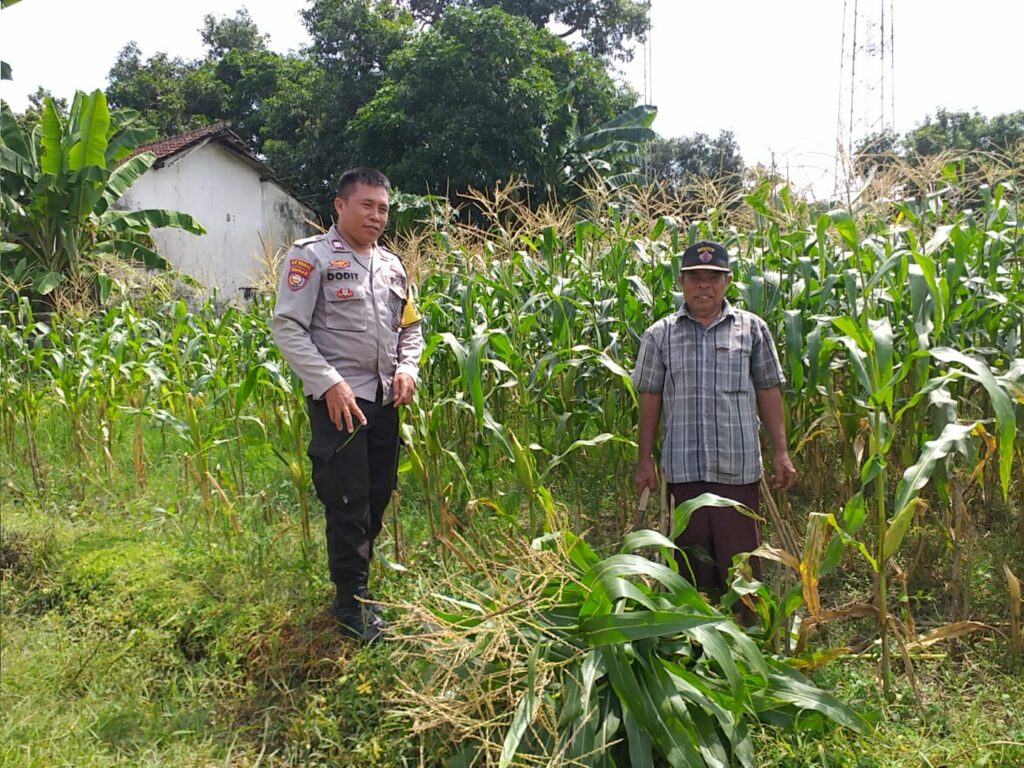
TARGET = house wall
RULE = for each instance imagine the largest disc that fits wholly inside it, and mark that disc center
(226, 196)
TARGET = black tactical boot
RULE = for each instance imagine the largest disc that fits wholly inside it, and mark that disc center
(356, 619)
(370, 608)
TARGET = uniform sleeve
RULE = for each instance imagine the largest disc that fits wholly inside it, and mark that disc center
(649, 373)
(765, 368)
(410, 337)
(410, 347)
(297, 294)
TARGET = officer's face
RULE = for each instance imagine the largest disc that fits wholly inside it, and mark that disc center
(362, 214)
(704, 289)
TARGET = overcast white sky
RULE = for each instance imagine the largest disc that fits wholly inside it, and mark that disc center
(768, 71)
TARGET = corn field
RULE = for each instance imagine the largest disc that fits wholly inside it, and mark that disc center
(899, 323)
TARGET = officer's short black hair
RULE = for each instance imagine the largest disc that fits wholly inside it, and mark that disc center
(369, 176)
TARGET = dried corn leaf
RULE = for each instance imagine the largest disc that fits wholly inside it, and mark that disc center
(946, 632)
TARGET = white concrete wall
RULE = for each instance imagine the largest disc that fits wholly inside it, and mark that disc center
(226, 196)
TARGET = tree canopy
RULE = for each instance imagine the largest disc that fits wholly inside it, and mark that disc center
(678, 161)
(232, 82)
(499, 113)
(945, 130)
(441, 96)
(606, 27)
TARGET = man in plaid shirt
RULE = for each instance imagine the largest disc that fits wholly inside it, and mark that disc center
(711, 369)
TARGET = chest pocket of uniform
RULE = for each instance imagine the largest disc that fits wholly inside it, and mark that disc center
(346, 306)
(732, 366)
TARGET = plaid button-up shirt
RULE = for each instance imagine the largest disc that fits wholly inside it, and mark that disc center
(708, 379)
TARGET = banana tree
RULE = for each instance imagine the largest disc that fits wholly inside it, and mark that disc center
(609, 153)
(60, 186)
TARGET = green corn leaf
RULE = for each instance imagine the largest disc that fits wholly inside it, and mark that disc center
(683, 511)
(633, 565)
(612, 628)
(638, 702)
(793, 324)
(641, 751)
(747, 648)
(696, 727)
(845, 226)
(789, 685)
(523, 463)
(881, 335)
(916, 477)
(718, 650)
(607, 591)
(577, 444)
(1006, 421)
(895, 260)
(645, 538)
(245, 389)
(523, 715)
(858, 361)
(939, 239)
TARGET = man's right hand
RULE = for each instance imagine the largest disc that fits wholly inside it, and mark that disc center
(341, 406)
(645, 476)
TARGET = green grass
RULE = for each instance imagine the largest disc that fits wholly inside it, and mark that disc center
(133, 638)
(127, 644)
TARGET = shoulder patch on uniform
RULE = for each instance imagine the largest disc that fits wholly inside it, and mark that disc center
(299, 271)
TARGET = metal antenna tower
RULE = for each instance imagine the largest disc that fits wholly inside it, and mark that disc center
(648, 61)
(867, 98)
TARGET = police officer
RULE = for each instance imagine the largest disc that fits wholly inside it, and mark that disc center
(346, 324)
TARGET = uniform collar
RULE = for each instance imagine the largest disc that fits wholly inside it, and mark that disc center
(338, 244)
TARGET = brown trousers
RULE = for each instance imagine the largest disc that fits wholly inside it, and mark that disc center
(716, 534)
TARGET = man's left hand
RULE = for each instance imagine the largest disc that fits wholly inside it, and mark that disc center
(785, 473)
(402, 389)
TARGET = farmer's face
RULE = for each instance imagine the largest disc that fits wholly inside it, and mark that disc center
(704, 290)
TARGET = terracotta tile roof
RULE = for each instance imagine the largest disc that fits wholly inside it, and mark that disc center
(166, 149)
(173, 144)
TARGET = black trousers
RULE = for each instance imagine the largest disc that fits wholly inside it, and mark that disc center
(354, 475)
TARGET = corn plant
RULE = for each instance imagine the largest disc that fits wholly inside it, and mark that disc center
(574, 659)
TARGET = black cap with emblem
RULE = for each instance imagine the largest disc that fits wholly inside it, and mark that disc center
(705, 254)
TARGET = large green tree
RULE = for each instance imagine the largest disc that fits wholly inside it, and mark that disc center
(945, 130)
(606, 28)
(965, 131)
(683, 160)
(469, 99)
(155, 88)
(305, 133)
(232, 82)
(479, 97)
